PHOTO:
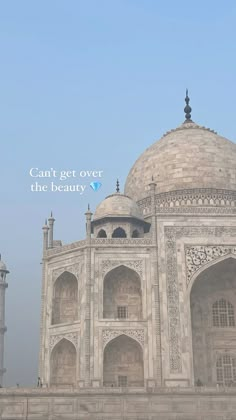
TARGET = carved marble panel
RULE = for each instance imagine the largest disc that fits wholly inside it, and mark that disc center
(73, 268)
(172, 234)
(136, 265)
(54, 339)
(199, 255)
(110, 334)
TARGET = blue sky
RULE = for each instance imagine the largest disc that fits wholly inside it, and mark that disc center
(90, 85)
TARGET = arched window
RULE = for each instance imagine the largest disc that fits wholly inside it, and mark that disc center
(102, 234)
(135, 234)
(223, 314)
(119, 233)
(226, 370)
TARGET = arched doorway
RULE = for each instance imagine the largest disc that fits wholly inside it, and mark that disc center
(63, 364)
(123, 363)
(122, 296)
(213, 306)
(65, 299)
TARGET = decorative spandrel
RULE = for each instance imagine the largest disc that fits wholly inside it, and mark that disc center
(198, 256)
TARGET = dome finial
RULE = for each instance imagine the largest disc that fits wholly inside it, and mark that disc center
(187, 108)
(117, 186)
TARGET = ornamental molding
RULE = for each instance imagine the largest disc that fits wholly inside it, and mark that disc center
(194, 201)
(54, 339)
(108, 335)
(64, 248)
(73, 269)
(199, 255)
(189, 125)
(172, 234)
(121, 241)
(108, 265)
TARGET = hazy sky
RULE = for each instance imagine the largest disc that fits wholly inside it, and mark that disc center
(88, 85)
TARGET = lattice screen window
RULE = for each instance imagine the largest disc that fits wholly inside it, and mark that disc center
(223, 314)
(122, 312)
(122, 381)
(226, 370)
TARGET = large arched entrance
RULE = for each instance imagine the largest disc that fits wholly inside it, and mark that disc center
(63, 364)
(65, 299)
(123, 363)
(122, 296)
(213, 306)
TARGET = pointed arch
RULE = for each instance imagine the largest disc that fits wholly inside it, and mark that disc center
(135, 234)
(123, 362)
(122, 294)
(119, 233)
(212, 307)
(63, 364)
(206, 266)
(65, 299)
(102, 234)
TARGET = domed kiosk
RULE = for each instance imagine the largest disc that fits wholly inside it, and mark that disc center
(118, 216)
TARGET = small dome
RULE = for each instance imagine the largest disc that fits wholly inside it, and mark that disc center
(188, 157)
(117, 205)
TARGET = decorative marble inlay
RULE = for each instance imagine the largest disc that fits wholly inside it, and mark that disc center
(109, 335)
(73, 269)
(199, 255)
(54, 339)
(172, 234)
(136, 265)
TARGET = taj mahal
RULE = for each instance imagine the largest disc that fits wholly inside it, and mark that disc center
(138, 319)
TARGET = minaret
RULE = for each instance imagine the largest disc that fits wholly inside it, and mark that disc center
(88, 316)
(3, 286)
(45, 236)
(88, 215)
(45, 229)
(51, 221)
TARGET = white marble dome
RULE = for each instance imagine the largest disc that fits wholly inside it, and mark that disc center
(117, 205)
(187, 157)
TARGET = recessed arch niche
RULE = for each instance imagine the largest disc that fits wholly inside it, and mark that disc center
(123, 363)
(63, 364)
(65, 299)
(122, 289)
(213, 306)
